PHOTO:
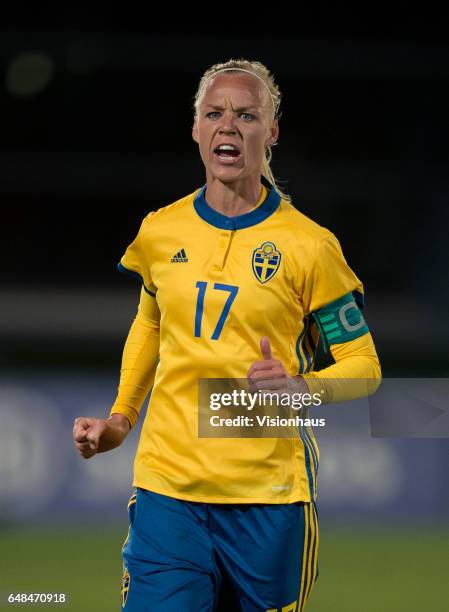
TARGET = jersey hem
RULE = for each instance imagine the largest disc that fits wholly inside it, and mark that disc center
(291, 499)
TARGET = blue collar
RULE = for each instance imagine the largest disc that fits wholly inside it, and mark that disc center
(264, 210)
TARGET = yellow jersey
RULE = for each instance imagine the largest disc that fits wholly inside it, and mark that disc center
(221, 283)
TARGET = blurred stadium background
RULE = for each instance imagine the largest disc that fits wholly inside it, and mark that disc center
(96, 133)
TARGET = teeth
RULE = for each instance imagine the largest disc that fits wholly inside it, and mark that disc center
(226, 147)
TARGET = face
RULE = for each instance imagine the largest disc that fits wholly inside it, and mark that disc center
(235, 110)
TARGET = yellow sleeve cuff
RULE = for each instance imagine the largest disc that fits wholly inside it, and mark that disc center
(355, 373)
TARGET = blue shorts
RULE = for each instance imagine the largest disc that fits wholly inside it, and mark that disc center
(183, 556)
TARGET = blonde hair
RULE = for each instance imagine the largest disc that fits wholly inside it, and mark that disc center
(263, 74)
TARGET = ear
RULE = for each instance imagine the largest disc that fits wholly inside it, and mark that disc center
(195, 132)
(274, 133)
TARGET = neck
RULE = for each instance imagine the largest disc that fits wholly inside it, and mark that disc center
(233, 199)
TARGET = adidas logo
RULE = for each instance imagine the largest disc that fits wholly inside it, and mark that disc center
(180, 257)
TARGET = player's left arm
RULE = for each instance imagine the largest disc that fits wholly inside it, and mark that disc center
(344, 333)
(333, 298)
(355, 373)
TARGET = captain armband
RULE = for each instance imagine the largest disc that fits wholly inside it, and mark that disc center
(340, 321)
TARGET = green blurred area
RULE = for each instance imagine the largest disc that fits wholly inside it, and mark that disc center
(361, 570)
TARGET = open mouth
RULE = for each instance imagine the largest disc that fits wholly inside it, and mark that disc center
(228, 154)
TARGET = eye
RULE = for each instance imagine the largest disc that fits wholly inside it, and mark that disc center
(247, 116)
(213, 114)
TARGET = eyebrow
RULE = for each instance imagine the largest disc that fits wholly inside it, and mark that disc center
(240, 109)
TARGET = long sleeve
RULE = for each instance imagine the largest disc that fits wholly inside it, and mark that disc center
(139, 360)
(355, 373)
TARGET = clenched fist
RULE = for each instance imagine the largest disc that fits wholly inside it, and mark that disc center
(92, 436)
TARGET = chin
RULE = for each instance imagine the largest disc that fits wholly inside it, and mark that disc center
(228, 175)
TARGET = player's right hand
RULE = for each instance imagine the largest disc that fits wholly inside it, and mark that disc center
(92, 436)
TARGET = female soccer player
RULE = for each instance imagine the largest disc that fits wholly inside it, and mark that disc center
(236, 283)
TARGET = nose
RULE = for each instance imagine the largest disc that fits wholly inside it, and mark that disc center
(227, 123)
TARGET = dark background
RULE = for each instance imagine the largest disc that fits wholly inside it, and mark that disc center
(95, 132)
